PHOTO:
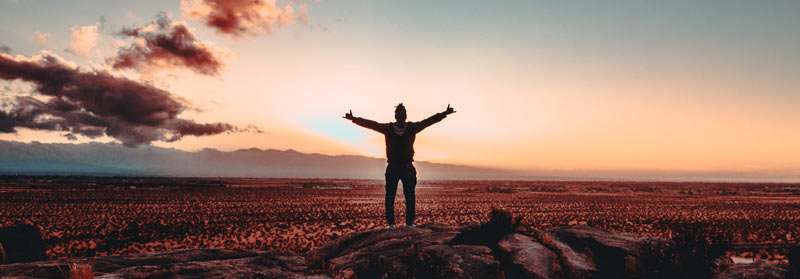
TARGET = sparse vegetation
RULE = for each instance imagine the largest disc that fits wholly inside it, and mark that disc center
(283, 215)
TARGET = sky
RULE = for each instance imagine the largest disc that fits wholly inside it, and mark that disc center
(617, 86)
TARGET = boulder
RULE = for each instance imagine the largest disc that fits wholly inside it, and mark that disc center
(528, 258)
(613, 255)
(573, 264)
(420, 252)
(794, 261)
(21, 243)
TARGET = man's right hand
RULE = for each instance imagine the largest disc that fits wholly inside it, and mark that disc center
(349, 115)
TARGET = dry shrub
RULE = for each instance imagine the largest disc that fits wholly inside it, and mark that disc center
(22, 243)
(691, 253)
(80, 270)
(501, 189)
(501, 223)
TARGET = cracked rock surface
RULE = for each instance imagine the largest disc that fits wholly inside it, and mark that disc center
(492, 250)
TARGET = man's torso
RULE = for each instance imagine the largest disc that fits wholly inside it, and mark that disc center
(400, 143)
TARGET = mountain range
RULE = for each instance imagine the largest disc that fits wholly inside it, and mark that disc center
(107, 159)
(113, 159)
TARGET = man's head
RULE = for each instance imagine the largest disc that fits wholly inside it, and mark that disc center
(400, 113)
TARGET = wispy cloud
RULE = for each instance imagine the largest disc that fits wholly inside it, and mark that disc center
(41, 38)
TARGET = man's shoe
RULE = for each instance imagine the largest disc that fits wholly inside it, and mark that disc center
(411, 226)
(391, 227)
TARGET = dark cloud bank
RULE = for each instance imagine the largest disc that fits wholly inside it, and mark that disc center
(165, 43)
(93, 104)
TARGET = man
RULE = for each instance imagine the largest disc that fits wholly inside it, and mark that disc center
(399, 137)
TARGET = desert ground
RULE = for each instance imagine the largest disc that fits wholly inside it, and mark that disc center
(91, 216)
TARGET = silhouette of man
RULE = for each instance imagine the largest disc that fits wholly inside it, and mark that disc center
(399, 137)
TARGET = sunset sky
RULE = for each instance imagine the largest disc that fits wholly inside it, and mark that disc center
(685, 86)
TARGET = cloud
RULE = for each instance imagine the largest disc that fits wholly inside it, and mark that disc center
(165, 43)
(93, 104)
(243, 17)
(41, 38)
(302, 15)
(84, 39)
(5, 49)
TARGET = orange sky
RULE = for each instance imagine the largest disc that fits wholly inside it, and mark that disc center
(568, 93)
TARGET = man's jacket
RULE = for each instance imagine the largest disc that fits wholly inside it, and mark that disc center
(399, 142)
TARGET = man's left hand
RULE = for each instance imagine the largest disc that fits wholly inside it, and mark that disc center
(449, 110)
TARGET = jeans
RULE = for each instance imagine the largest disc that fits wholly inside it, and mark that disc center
(408, 174)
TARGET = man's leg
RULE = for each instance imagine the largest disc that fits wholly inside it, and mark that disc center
(391, 190)
(409, 178)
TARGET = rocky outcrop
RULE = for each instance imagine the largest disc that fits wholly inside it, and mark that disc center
(757, 270)
(202, 263)
(420, 252)
(594, 253)
(528, 258)
(500, 248)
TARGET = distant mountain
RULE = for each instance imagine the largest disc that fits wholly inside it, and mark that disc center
(116, 159)
(109, 159)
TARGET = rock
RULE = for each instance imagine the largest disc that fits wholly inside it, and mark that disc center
(457, 261)
(794, 261)
(614, 255)
(529, 258)
(21, 243)
(421, 252)
(197, 263)
(500, 248)
(42, 269)
(722, 263)
(757, 270)
(573, 264)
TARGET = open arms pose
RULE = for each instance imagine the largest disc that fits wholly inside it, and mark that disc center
(399, 137)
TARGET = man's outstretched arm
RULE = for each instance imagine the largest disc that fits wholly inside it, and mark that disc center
(366, 123)
(434, 119)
